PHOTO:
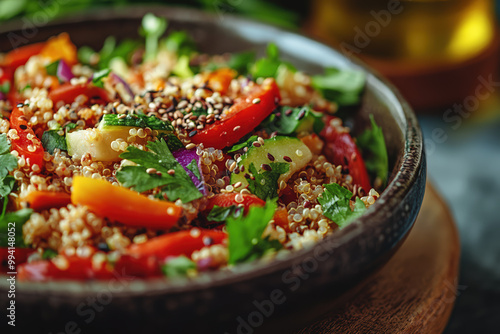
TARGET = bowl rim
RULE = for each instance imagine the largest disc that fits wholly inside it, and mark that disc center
(404, 178)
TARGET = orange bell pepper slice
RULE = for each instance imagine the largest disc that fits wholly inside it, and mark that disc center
(42, 200)
(60, 47)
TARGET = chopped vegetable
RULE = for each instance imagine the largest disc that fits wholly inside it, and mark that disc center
(219, 80)
(123, 205)
(98, 77)
(176, 186)
(229, 199)
(67, 93)
(60, 47)
(51, 139)
(247, 143)
(43, 200)
(27, 144)
(336, 204)
(265, 183)
(372, 144)
(21, 55)
(178, 266)
(290, 120)
(64, 73)
(191, 163)
(341, 86)
(110, 121)
(245, 234)
(221, 213)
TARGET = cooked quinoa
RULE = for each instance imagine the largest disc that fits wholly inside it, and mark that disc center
(75, 229)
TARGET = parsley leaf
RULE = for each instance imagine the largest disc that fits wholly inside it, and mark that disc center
(193, 167)
(336, 204)
(5, 87)
(159, 156)
(8, 163)
(49, 254)
(245, 234)
(51, 140)
(7, 185)
(18, 218)
(294, 120)
(98, 77)
(268, 66)
(222, 213)
(246, 143)
(178, 266)
(372, 143)
(341, 86)
(265, 184)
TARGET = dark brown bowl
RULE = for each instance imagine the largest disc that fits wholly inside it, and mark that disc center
(267, 296)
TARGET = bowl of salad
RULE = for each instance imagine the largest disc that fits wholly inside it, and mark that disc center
(179, 169)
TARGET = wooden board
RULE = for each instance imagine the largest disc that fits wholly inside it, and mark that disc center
(415, 291)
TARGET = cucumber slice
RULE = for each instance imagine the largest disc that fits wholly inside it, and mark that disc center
(110, 121)
(279, 147)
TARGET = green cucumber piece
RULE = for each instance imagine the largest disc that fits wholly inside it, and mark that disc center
(111, 121)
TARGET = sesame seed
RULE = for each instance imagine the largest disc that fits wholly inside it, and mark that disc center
(299, 153)
(236, 128)
(195, 233)
(232, 166)
(192, 133)
(256, 144)
(171, 172)
(270, 156)
(266, 167)
(190, 146)
(237, 184)
(121, 116)
(151, 171)
(301, 114)
(287, 158)
(170, 211)
(207, 241)
(261, 140)
(256, 101)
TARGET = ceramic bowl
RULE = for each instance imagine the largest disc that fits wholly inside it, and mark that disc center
(260, 296)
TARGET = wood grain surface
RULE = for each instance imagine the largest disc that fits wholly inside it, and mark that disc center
(415, 291)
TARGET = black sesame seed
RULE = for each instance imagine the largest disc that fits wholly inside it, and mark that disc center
(287, 158)
(23, 127)
(247, 176)
(20, 105)
(103, 247)
(346, 162)
(207, 241)
(192, 133)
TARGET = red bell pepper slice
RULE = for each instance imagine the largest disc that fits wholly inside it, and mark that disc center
(42, 200)
(244, 116)
(177, 243)
(68, 93)
(144, 267)
(228, 199)
(21, 55)
(78, 268)
(341, 149)
(34, 155)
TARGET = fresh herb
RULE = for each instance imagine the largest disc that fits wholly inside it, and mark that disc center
(152, 28)
(49, 254)
(51, 139)
(173, 142)
(245, 234)
(246, 143)
(135, 120)
(240, 62)
(268, 66)
(51, 69)
(182, 68)
(372, 143)
(110, 50)
(85, 54)
(8, 163)
(180, 43)
(28, 86)
(70, 126)
(336, 204)
(198, 111)
(5, 87)
(341, 86)
(178, 266)
(159, 157)
(222, 213)
(18, 218)
(265, 185)
(193, 167)
(99, 76)
(294, 120)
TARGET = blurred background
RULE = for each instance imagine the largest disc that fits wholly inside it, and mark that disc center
(443, 55)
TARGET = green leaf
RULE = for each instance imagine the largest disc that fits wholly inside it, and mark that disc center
(245, 234)
(5, 87)
(135, 120)
(7, 185)
(193, 167)
(158, 156)
(111, 50)
(341, 86)
(336, 204)
(152, 28)
(268, 66)
(49, 254)
(241, 62)
(178, 266)
(246, 143)
(182, 68)
(52, 68)
(180, 43)
(8, 162)
(294, 120)
(51, 140)
(18, 218)
(85, 54)
(265, 186)
(222, 213)
(99, 76)
(372, 144)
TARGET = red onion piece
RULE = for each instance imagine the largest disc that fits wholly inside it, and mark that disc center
(64, 71)
(117, 79)
(184, 157)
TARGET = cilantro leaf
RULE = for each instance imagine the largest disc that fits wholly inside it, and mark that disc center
(178, 266)
(5, 87)
(159, 157)
(52, 68)
(222, 213)
(246, 143)
(265, 184)
(341, 86)
(180, 42)
(49, 254)
(336, 204)
(173, 142)
(268, 66)
(98, 77)
(18, 218)
(245, 234)
(7, 185)
(372, 144)
(8, 162)
(291, 120)
(51, 140)
(193, 167)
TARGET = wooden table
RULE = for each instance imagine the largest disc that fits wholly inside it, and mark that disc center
(415, 291)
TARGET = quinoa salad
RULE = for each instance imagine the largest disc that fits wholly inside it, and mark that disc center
(149, 158)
